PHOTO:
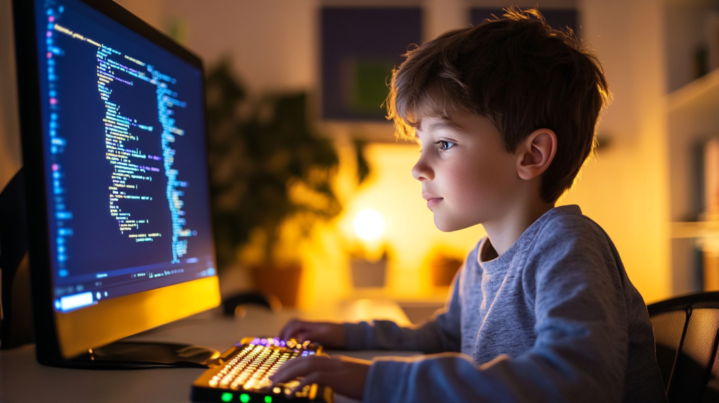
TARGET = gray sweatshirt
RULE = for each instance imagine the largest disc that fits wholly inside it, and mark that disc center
(553, 319)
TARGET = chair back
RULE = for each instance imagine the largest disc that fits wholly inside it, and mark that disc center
(686, 332)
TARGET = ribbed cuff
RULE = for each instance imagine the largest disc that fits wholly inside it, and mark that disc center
(386, 380)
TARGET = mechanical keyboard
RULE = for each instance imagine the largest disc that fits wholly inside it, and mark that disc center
(241, 374)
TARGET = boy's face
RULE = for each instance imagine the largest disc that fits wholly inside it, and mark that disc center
(467, 176)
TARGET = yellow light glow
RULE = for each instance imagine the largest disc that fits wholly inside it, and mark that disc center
(369, 225)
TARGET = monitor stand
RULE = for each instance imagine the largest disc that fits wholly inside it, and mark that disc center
(137, 355)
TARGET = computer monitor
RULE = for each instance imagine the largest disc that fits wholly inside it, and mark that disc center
(112, 116)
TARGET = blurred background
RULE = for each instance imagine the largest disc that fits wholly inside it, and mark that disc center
(313, 198)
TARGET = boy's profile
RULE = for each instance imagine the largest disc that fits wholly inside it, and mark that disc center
(542, 309)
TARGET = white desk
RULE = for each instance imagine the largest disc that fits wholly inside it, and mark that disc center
(22, 379)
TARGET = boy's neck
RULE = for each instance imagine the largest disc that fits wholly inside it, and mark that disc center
(504, 231)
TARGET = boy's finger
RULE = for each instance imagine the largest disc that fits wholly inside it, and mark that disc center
(292, 369)
(290, 329)
(315, 377)
(303, 335)
(299, 367)
(302, 332)
(286, 329)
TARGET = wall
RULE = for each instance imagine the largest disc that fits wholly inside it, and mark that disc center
(273, 46)
(10, 158)
(625, 188)
(272, 43)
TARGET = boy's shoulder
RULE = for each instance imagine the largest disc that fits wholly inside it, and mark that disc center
(566, 225)
(569, 246)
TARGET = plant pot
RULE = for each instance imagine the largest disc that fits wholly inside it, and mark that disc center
(444, 269)
(282, 281)
(366, 274)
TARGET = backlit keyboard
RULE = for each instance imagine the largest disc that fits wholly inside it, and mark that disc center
(242, 373)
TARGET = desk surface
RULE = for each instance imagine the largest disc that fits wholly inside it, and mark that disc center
(22, 379)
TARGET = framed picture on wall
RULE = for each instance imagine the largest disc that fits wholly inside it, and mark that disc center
(359, 48)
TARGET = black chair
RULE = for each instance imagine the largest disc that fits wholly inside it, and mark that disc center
(686, 331)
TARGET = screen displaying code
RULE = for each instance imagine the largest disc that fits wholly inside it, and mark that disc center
(126, 167)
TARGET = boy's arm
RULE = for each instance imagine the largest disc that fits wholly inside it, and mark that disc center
(580, 354)
(441, 333)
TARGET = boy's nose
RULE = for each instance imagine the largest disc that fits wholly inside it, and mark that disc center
(421, 171)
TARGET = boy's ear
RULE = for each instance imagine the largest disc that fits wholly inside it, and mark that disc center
(535, 153)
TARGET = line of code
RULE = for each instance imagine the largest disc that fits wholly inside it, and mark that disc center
(57, 146)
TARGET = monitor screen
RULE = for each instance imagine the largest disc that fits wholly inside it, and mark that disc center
(124, 159)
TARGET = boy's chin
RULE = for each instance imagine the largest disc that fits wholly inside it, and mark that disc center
(446, 224)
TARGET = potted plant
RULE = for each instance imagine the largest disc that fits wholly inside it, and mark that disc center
(262, 150)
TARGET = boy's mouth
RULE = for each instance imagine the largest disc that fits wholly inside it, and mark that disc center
(433, 201)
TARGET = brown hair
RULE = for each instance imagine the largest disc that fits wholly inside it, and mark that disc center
(516, 71)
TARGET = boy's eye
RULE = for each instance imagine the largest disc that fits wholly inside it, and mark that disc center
(445, 145)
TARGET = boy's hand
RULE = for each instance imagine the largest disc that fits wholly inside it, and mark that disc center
(326, 333)
(344, 375)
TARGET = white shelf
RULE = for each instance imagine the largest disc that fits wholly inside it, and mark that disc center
(695, 229)
(704, 233)
(700, 95)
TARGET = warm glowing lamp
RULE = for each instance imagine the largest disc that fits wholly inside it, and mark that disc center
(369, 225)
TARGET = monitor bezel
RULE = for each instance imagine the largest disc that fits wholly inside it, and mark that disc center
(113, 319)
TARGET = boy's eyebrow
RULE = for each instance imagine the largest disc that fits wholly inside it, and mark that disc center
(443, 124)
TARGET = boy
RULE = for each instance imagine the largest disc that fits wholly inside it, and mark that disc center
(542, 309)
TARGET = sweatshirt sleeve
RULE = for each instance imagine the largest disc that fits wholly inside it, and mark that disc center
(574, 282)
(441, 333)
